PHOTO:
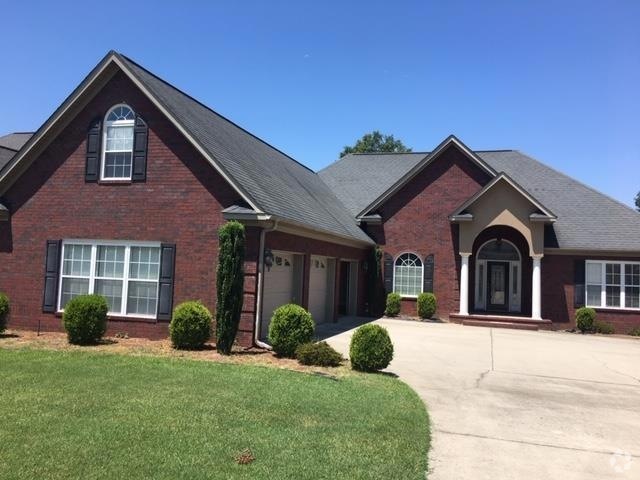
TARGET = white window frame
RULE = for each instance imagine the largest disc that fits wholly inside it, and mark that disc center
(103, 154)
(125, 276)
(421, 274)
(603, 284)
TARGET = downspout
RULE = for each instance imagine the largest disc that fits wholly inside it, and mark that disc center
(258, 322)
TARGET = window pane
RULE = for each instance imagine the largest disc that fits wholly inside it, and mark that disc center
(632, 297)
(112, 291)
(117, 165)
(514, 281)
(632, 275)
(594, 296)
(594, 273)
(110, 261)
(120, 113)
(613, 296)
(77, 260)
(613, 274)
(408, 275)
(142, 298)
(144, 263)
(73, 287)
(119, 139)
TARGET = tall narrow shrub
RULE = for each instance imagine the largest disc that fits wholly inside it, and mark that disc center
(230, 281)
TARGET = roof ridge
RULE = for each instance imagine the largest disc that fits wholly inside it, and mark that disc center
(213, 111)
(589, 187)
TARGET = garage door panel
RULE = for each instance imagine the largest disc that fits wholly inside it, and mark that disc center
(278, 288)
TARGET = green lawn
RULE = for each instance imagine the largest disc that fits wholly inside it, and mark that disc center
(92, 415)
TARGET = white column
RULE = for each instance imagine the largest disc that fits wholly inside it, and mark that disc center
(536, 291)
(464, 284)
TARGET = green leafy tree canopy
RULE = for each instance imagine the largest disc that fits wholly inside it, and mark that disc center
(376, 142)
(638, 201)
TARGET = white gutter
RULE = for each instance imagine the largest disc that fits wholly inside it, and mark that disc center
(258, 322)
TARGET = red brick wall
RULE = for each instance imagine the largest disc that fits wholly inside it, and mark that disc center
(416, 220)
(180, 203)
(558, 289)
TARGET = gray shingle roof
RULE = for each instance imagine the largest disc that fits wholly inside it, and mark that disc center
(359, 179)
(275, 182)
(15, 141)
(587, 219)
(6, 154)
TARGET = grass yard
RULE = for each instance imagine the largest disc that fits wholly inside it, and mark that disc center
(78, 414)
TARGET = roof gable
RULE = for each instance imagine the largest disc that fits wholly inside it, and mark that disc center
(545, 213)
(267, 180)
(451, 140)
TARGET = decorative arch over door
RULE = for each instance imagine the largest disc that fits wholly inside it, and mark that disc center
(498, 282)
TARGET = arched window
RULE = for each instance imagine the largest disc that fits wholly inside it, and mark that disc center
(117, 156)
(408, 275)
(498, 250)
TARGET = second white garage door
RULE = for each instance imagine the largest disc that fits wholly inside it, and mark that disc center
(321, 276)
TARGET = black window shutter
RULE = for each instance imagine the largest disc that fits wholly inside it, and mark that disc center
(428, 273)
(388, 273)
(167, 270)
(92, 167)
(51, 269)
(140, 140)
(579, 289)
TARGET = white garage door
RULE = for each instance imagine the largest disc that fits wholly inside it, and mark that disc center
(319, 298)
(278, 288)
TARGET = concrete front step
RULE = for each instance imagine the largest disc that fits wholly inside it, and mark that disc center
(494, 324)
(501, 321)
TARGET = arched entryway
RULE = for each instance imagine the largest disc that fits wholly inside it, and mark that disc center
(498, 277)
(500, 273)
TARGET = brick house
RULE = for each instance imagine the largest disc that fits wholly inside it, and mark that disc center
(121, 192)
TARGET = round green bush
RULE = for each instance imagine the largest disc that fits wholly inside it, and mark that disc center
(585, 318)
(190, 326)
(290, 327)
(85, 319)
(371, 348)
(393, 304)
(4, 311)
(426, 305)
(320, 354)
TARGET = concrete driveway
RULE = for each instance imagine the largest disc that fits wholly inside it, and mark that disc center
(510, 404)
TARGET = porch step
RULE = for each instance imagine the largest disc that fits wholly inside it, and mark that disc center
(501, 321)
(493, 324)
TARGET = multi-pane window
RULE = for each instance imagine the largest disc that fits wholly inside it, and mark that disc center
(125, 274)
(613, 284)
(118, 143)
(407, 275)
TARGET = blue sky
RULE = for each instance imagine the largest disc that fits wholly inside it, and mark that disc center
(557, 80)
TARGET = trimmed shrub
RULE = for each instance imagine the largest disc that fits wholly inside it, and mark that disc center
(603, 327)
(393, 304)
(635, 332)
(190, 326)
(229, 284)
(371, 348)
(4, 311)
(584, 319)
(85, 319)
(320, 354)
(290, 327)
(426, 305)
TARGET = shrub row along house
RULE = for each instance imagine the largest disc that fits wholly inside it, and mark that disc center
(121, 192)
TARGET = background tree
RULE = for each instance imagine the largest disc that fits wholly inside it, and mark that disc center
(638, 201)
(376, 142)
(229, 283)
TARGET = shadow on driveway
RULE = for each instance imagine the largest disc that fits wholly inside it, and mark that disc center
(344, 324)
